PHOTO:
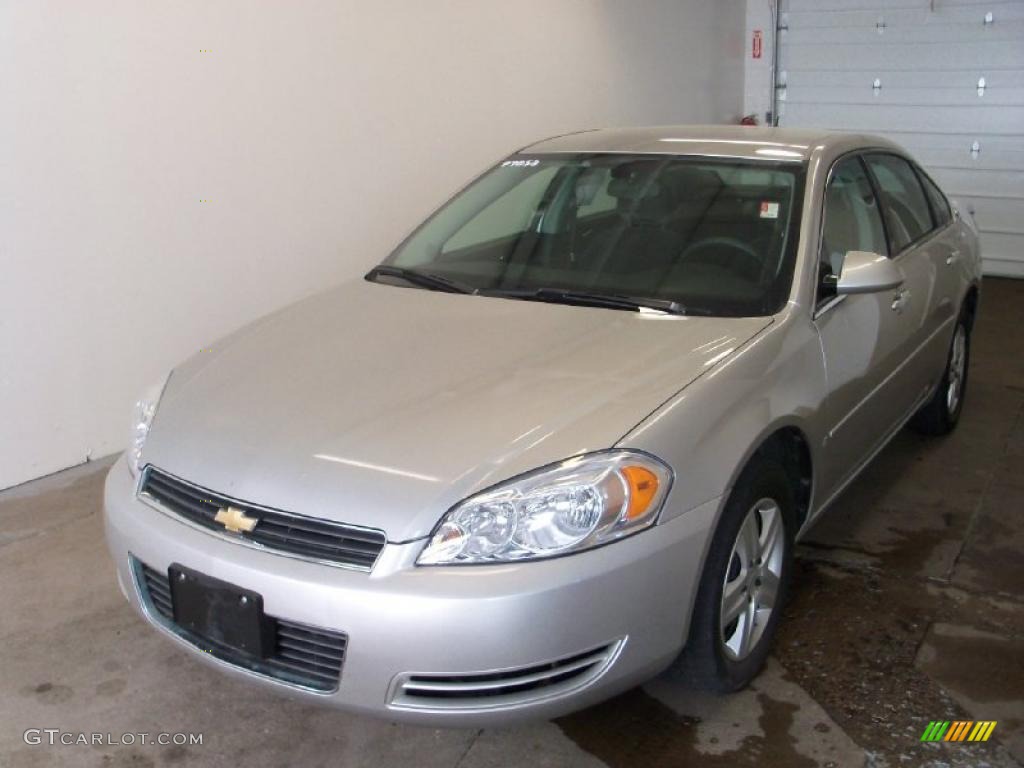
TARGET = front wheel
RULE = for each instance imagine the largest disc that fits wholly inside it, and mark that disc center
(939, 416)
(744, 583)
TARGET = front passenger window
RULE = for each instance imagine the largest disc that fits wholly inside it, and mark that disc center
(852, 221)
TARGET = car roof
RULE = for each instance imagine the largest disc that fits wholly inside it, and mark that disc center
(741, 141)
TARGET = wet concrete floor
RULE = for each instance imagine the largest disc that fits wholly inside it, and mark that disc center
(908, 607)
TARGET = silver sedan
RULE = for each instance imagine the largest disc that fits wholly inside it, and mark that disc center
(563, 438)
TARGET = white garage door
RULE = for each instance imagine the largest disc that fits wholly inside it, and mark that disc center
(943, 78)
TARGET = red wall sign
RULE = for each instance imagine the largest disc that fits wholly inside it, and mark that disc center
(755, 49)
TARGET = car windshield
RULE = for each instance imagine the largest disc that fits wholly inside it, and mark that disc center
(695, 235)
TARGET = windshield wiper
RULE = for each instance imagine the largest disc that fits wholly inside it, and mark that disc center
(422, 279)
(611, 301)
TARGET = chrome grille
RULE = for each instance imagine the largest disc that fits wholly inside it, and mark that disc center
(282, 532)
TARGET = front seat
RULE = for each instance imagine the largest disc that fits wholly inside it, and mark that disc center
(634, 252)
(840, 233)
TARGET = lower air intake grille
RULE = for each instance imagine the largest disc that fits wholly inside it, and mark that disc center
(518, 686)
(303, 655)
(283, 532)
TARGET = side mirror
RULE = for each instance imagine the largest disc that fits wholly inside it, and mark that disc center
(866, 272)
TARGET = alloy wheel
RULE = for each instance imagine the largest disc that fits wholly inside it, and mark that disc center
(752, 579)
(957, 369)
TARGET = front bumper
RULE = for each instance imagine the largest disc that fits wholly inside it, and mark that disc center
(632, 598)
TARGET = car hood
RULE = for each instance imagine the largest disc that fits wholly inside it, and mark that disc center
(383, 406)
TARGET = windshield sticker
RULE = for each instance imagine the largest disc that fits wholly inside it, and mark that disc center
(769, 210)
(520, 163)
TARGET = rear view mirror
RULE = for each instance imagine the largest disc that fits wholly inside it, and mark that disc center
(866, 272)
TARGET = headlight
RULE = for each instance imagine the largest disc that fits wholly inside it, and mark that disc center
(578, 504)
(142, 418)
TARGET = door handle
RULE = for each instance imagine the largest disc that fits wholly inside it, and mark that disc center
(953, 258)
(899, 301)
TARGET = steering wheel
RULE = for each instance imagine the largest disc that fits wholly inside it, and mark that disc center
(740, 252)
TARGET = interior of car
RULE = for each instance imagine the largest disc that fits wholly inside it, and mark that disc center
(852, 218)
(706, 234)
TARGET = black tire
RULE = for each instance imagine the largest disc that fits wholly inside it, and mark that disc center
(704, 662)
(936, 417)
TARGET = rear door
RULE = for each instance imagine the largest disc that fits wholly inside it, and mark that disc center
(926, 254)
(950, 250)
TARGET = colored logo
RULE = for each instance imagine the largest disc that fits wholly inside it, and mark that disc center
(958, 730)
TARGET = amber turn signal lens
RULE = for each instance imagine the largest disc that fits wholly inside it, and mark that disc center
(643, 486)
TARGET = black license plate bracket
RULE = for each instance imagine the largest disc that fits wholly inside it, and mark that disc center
(223, 613)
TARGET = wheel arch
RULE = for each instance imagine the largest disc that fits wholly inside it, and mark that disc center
(970, 304)
(786, 441)
(788, 444)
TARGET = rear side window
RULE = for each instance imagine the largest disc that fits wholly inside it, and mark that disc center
(903, 199)
(940, 206)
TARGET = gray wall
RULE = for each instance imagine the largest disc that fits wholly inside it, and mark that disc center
(171, 170)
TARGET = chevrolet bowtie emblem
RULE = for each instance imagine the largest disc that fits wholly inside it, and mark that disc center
(235, 520)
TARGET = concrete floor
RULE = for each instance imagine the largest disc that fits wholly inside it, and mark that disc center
(909, 607)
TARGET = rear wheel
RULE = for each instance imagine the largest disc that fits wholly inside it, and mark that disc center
(744, 584)
(940, 415)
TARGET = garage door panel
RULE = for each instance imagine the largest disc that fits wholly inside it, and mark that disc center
(892, 93)
(1001, 254)
(995, 215)
(884, 5)
(961, 182)
(953, 151)
(884, 55)
(955, 141)
(960, 158)
(877, 118)
(927, 58)
(996, 81)
(967, 15)
(905, 34)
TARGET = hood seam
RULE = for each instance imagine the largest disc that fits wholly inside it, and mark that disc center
(687, 385)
